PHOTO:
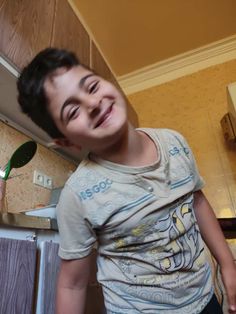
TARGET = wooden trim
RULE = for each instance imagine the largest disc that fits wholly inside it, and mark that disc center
(178, 66)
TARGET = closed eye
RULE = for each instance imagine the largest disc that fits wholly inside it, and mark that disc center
(93, 87)
(72, 113)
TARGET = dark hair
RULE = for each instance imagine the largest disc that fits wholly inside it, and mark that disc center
(31, 94)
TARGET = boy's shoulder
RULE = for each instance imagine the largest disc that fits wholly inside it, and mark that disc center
(86, 170)
(172, 134)
(170, 141)
(163, 133)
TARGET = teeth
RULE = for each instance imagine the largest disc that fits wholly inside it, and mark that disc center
(100, 121)
(103, 118)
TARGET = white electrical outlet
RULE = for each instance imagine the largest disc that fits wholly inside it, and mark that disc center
(38, 178)
(48, 182)
(42, 179)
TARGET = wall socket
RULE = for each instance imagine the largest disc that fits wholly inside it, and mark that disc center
(42, 179)
(47, 182)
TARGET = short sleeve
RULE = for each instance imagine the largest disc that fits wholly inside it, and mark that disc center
(76, 235)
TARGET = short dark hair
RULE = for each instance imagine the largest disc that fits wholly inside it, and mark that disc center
(31, 94)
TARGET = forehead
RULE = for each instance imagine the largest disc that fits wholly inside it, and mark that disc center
(64, 77)
(63, 84)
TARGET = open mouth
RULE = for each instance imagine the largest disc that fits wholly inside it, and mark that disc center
(104, 117)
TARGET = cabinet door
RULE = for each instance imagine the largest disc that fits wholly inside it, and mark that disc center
(69, 33)
(17, 275)
(26, 28)
(100, 67)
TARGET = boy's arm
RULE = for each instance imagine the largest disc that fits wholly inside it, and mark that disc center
(72, 286)
(214, 238)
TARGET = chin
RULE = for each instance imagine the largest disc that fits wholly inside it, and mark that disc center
(118, 129)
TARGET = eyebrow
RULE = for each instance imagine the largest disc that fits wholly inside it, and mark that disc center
(67, 101)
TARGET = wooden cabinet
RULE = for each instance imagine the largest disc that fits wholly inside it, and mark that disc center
(99, 65)
(69, 33)
(101, 68)
(29, 26)
(26, 28)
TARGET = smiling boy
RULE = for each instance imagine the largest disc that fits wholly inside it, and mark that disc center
(137, 195)
(102, 116)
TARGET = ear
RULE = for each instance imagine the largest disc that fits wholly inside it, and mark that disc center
(64, 142)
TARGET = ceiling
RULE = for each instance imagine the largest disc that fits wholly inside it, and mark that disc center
(134, 34)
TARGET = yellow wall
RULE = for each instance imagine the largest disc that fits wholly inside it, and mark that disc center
(194, 106)
(21, 193)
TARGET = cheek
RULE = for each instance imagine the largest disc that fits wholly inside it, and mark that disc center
(77, 127)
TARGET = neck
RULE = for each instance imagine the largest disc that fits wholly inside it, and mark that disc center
(134, 148)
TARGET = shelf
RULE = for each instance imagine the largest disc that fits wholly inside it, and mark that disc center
(31, 222)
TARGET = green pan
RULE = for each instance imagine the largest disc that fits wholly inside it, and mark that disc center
(20, 157)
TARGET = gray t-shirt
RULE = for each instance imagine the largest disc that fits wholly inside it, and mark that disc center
(150, 252)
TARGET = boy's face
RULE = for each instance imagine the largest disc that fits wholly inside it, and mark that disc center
(88, 110)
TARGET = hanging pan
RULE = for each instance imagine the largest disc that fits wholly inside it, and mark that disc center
(20, 157)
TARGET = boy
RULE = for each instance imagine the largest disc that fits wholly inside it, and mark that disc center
(137, 195)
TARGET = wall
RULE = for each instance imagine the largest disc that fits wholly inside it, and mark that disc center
(21, 193)
(194, 105)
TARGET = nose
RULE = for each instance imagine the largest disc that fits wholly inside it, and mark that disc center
(93, 103)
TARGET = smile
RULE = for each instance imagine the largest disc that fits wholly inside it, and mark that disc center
(104, 117)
